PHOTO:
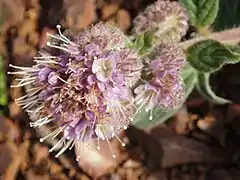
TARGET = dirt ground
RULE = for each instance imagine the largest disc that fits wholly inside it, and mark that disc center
(201, 142)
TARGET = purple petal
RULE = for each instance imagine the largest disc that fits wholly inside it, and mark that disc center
(64, 60)
(102, 109)
(73, 49)
(44, 73)
(88, 63)
(101, 86)
(151, 87)
(80, 57)
(92, 49)
(118, 78)
(53, 78)
(45, 93)
(92, 79)
(90, 115)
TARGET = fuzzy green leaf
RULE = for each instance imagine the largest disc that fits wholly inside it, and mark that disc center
(201, 13)
(141, 120)
(210, 55)
(3, 92)
(204, 88)
(144, 43)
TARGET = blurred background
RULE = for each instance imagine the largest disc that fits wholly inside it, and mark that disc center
(201, 142)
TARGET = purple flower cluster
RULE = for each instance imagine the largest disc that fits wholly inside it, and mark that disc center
(163, 87)
(83, 84)
(168, 20)
(91, 85)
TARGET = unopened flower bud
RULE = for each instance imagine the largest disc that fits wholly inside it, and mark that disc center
(168, 20)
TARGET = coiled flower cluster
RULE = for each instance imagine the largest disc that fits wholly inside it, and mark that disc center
(168, 20)
(162, 86)
(83, 84)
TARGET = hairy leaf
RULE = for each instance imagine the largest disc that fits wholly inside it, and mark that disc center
(204, 88)
(210, 55)
(201, 13)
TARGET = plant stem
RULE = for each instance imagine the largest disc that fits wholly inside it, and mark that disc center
(231, 36)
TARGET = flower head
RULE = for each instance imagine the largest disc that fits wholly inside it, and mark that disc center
(168, 20)
(83, 84)
(164, 87)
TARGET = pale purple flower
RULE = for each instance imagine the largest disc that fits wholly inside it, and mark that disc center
(82, 83)
(168, 21)
(44, 73)
(164, 87)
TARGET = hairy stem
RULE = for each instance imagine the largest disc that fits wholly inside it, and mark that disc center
(231, 36)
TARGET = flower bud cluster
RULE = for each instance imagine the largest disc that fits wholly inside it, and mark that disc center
(168, 20)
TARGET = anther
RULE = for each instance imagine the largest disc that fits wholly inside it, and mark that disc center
(58, 26)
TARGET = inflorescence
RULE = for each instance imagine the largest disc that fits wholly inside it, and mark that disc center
(91, 85)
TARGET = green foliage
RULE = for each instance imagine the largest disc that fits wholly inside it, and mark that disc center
(144, 43)
(228, 15)
(201, 13)
(3, 91)
(1, 21)
(204, 88)
(141, 120)
(210, 55)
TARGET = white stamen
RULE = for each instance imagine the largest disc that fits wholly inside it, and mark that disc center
(27, 95)
(73, 144)
(98, 144)
(21, 85)
(25, 99)
(19, 72)
(56, 37)
(151, 116)
(35, 88)
(26, 79)
(22, 68)
(30, 104)
(64, 81)
(59, 143)
(64, 37)
(57, 47)
(45, 61)
(35, 110)
(39, 124)
(54, 133)
(44, 57)
(110, 147)
(64, 148)
(122, 143)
